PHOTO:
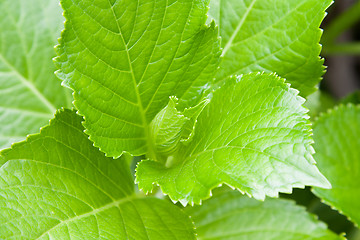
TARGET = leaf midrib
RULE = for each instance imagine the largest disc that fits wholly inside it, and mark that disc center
(272, 53)
(95, 211)
(29, 85)
(141, 108)
(238, 27)
(27, 112)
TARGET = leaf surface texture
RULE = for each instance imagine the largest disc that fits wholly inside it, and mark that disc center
(124, 59)
(254, 135)
(337, 145)
(273, 36)
(229, 215)
(29, 91)
(56, 185)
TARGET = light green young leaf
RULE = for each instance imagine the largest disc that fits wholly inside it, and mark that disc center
(254, 136)
(192, 114)
(337, 145)
(29, 91)
(231, 216)
(166, 128)
(125, 58)
(56, 185)
(273, 36)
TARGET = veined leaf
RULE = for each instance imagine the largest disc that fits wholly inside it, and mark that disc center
(56, 185)
(192, 114)
(337, 145)
(231, 216)
(273, 36)
(125, 58)
(254, 135)
(29, 91)
(166, 128)
(170, 127)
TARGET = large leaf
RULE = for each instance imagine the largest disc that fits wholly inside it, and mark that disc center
(124, 59)
(254, 135)
(271, 35)
(56, 185)
(231, 216)
(337, 145)
(29, 90)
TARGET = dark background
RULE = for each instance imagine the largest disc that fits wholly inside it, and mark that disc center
(343, 72)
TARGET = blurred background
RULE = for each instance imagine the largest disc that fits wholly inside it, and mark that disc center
(341, 48)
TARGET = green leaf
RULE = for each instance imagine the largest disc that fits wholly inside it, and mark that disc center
(273, 36)
(56, 185)
(124, 63)
(169, 127)
(192, 114)
(232, 216)
(337, 145)
(319, 102)
(166, 128)
(254, 136)
(29, 91)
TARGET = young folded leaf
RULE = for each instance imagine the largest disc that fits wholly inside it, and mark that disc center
(254, 135)
(123, 59)
(56, 185)
(229, 215)
(166, 129)
(273, 36)
(192, 114)
(337, 145)
(170, 127)
(29, 91)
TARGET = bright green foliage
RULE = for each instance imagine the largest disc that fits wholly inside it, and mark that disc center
(253, 135)
(125, 58)
(274, 36)
(29, 91)
(337, 145)
(166, 128)
(169, 127)
(56, 185)
(231, 216)
(192, 114)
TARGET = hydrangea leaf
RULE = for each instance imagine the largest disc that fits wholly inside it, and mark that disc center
(273, 36)
(337, 145)
(29, 91)
(123, 59)
(192, 114)
(166, 128)
(170, 127)
(56, 185)
(231, 216)
(258, 142)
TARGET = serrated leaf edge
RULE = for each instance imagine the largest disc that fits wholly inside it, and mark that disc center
(285, 189)
(320, 119)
